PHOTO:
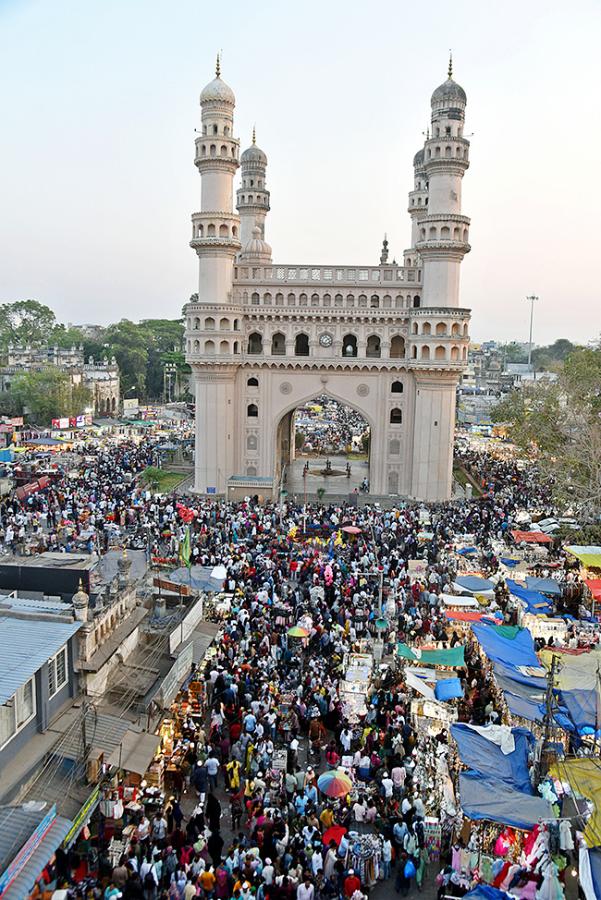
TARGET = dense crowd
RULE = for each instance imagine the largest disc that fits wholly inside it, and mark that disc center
(256, 828)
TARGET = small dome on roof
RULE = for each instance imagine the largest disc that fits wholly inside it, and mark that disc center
(257, 247)
(418, 159)
(449, 92)
(217, 90)
(253, 154)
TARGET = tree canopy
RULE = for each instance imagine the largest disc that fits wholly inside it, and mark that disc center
(48, 394)
(561, 422)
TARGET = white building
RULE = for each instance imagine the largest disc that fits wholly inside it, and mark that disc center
(264, 338)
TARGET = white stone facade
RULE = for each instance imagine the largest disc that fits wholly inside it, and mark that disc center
(389, 340)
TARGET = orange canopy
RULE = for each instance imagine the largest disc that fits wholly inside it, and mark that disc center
(531, 537)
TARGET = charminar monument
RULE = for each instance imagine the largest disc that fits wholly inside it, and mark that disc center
(265, 337)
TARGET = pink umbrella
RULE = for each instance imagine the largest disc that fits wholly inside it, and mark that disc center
(351, 529)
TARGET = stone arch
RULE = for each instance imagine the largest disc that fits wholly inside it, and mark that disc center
(440, 353)
(397, 347)
(224, 347)
(301, 344)
(224, 231)
(426, 328)
(209, 346)
(454, 353)
(373, 347)
(396, 387)
(441, 328)
(252, 411)
(255, 342)
(425, 352)
(396, 416)
(349, 345)
(393, 482)
(252, 382)
(278, 344)
(224, 324)
(209, 323)
(455, 328)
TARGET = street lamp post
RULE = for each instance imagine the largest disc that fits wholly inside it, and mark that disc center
(532, 298)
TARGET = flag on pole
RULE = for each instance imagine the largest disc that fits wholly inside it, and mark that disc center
(185, 551)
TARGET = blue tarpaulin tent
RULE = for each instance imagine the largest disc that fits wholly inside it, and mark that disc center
(491, 799)
(474, 583)
(535, 602)
(507, 644)
(448, 689)
(544, 585)
(487, 758)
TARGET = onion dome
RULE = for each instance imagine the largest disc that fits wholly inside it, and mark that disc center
(257, 247)
(254, 153)
(217, 91)
(450, 92)
(418, 159)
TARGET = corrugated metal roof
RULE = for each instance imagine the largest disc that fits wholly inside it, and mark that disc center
(25, 880)
(103, 732)
(26, 644)
(17, 823)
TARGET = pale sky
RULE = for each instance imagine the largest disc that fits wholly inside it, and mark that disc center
(99, 101)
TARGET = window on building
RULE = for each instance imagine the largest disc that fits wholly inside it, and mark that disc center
(252, 410)
(17, 712)
(57, 672)
(396, 416)
(397, 387)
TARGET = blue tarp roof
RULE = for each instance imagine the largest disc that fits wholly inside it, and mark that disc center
(487, 758)
(583, 707)
(448, 689)
(544, 585)
(474, 583)
(517, 650)
(535, 602)
(535, 683)
(488, 798)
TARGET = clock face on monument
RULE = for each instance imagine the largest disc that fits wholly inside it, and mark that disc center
(325, 340)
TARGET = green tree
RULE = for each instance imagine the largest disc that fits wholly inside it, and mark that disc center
(43, 395)
(129, 344)
(165, 342)
(561, 423)
(25, 322)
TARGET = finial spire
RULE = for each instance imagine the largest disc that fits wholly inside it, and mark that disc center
(218, 67)
(450, 72)
(254, 134)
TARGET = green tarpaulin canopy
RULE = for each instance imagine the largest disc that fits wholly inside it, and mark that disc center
(453, 657)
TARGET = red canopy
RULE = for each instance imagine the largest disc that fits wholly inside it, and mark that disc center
(594, 586)
(531, 537)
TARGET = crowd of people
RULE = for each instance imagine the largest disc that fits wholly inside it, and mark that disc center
(249, 819)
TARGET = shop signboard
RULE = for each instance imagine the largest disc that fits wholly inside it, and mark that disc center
(175, 676)
(61, 424)
(417, 567)
(431, 709)
(82, 817)
(27, 850)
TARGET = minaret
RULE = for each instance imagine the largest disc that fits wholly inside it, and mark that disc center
(252, 197)
(418, 197)
(216, 236)
(212, 320)
(443, 231)
(384, 253)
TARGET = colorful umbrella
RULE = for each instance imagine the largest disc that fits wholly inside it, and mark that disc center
(334, 783)
(334, 833)
(297, 631)
(351, 529)
(381, 624)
